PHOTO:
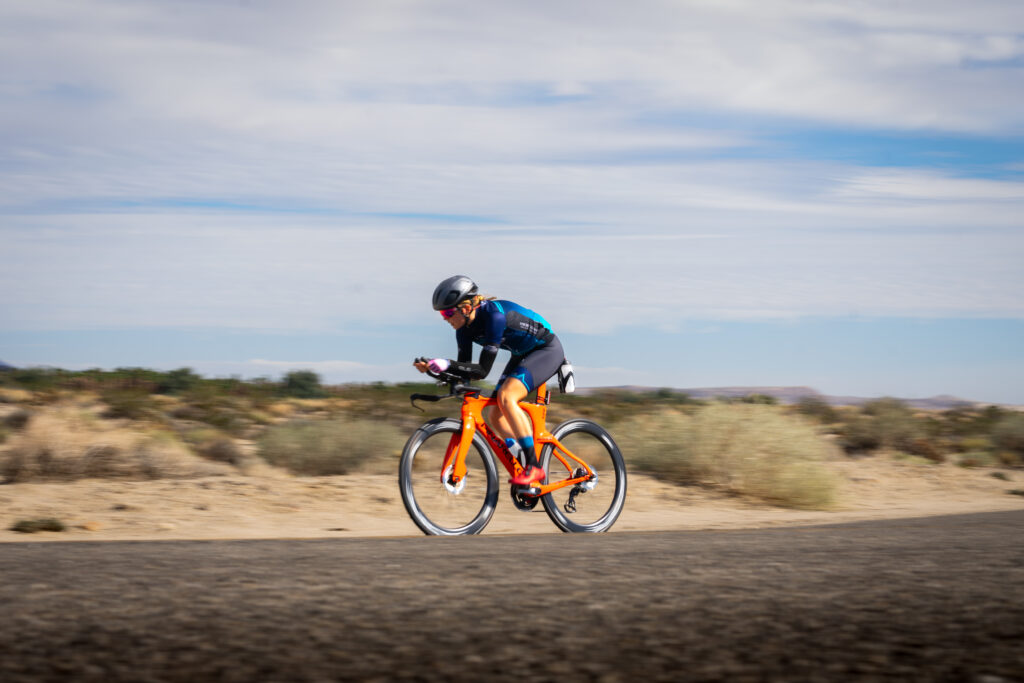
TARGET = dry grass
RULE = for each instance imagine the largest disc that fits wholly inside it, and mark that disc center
(66, 444)
(748, 449)
(12, 395)
(336, 446)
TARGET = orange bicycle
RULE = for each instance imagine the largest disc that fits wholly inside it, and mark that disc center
(449, 481)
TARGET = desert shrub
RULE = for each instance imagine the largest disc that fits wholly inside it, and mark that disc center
(750, 449)
(977, 459)
(303, 384)
(16, 420)
(860, 434)
(177, 381)
(926, 448)
(224, 450)
(61, 447)
(231, 414)
(611, 406)
(129, 404)
(326, 447)
(215, 445)
(34, 379)
(1008, 437)
(885, 422)
(32, 526)
(759, 399)
(963, 422)
(818, 409)
(974, 443)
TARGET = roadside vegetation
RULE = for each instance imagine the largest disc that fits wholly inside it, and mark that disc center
(749, 449)
(136, 423)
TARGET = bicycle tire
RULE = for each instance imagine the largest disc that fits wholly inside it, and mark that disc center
(597, 509)
(432, 507)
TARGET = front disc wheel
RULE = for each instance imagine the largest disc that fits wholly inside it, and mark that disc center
(438, 505)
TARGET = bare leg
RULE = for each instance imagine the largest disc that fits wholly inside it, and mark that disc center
(511, 393)
(498, 423)
(515, 418)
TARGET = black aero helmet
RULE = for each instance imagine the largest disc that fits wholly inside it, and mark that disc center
(452, 291)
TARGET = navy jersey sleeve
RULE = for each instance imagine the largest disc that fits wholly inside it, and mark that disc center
(492, 320)
(494, 326)
(465, 342)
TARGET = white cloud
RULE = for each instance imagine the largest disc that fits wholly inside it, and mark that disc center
(929, 186)
(665, 260)
(292, 73)
(122, 122)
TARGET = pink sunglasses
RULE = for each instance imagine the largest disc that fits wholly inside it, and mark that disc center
(449, 312)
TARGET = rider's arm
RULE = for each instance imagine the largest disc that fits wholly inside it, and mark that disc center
(494, 326)
(476, 370)
(465, 343)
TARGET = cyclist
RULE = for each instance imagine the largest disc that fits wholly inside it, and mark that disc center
(498, 324)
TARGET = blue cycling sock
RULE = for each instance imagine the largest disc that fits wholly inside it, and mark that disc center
(526, 443)
(510, 443)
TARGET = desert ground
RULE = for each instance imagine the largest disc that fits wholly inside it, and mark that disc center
(269, 503)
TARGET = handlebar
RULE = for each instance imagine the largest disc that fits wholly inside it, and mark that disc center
(456, 386)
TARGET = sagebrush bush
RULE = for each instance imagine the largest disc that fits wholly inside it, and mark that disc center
(32, 526)
(221, 450)
(63, 447)
(335, 446)
(303, 384)
(231, 414)
(889, 423)
(750, 449)
(213, 444)
(1008, 436)
(16, 420)
(817, 408)
(978, 459)
(129, 405)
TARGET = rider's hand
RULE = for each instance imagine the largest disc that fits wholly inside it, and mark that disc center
(438, 364)
(420, 365)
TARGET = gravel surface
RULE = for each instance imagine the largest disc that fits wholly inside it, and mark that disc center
(940, 598)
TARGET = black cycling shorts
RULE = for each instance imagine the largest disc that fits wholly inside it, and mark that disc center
(536, 367)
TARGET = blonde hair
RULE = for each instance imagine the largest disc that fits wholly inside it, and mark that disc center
(475, 301)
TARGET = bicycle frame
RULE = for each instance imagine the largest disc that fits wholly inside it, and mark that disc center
(473, 405)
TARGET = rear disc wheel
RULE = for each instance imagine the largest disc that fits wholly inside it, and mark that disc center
(591, 506)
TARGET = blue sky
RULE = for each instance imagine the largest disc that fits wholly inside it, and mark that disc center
(697, 193)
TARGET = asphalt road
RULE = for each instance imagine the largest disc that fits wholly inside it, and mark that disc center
(930, 599)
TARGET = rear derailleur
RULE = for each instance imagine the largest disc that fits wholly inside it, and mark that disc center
(582, 487)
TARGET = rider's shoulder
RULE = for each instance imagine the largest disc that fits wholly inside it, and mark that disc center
(492, 306)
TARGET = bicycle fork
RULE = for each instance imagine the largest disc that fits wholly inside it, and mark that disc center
(453, 471)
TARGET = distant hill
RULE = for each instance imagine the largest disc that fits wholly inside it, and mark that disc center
(4, 367)
(788, 395)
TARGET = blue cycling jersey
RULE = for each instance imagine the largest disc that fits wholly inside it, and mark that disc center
(505, 325)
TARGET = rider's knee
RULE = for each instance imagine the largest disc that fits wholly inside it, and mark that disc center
(507, 400)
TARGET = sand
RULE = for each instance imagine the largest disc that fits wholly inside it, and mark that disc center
(272, 504)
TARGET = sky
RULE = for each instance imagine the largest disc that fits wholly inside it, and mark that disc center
(694, 193)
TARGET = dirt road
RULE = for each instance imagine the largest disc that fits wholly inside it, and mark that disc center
(940, 598)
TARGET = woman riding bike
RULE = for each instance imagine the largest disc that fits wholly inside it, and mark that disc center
(497, 324)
